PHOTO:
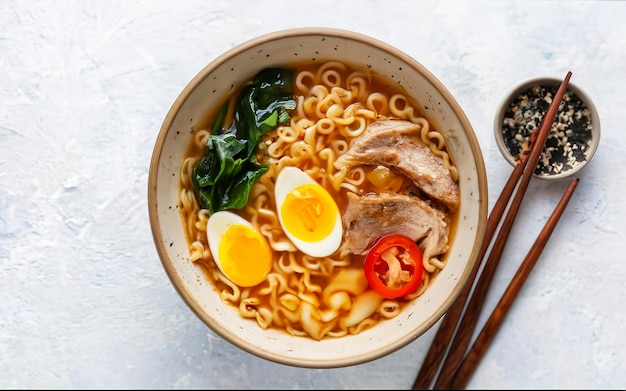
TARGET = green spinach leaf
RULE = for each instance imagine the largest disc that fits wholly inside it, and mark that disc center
(225, 175)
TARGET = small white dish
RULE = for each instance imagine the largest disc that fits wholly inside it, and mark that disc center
(574, 135)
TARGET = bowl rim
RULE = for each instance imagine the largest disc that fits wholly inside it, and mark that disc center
(518, 88)
(157, 233)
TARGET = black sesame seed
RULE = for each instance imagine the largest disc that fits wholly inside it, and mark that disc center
(570, 134)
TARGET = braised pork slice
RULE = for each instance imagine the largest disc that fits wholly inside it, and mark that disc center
(396, 143)
(371, 216)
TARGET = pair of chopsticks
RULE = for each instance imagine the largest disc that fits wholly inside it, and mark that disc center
(460, 363)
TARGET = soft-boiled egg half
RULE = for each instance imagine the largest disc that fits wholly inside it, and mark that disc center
(239, 250)
(307, 213)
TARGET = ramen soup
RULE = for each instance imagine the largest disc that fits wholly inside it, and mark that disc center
(318, 200)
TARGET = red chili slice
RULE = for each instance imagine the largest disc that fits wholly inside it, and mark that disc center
(393, 267)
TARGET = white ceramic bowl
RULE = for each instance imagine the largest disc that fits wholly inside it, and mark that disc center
(573, 138)
(204, 92)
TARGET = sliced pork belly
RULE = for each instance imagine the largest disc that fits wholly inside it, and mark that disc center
(397, 144)
(371, 216)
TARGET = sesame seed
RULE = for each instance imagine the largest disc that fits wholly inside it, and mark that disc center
(569, 137)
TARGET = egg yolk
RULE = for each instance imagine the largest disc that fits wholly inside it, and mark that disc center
(245, 256)
(309, 213)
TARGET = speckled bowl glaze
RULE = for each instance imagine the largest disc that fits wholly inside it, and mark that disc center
(551, 83)
(199, 97)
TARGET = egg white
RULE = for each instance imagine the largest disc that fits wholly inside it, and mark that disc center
(287, 181)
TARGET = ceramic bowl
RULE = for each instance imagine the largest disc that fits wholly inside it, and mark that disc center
(574, 135)
(207, 90)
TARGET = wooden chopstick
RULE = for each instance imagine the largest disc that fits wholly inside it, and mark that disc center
(482, 342)
(468, 322)
(449, 323)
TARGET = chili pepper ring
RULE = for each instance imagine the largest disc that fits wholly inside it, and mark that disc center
(393, 267)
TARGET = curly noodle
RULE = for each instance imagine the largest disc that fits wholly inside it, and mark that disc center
(304, 295)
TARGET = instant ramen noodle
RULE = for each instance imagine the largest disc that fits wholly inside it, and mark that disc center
(318, 200)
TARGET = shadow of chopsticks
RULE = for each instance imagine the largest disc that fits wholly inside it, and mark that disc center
(469, 316)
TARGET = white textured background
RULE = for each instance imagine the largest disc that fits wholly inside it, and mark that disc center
(84, 88)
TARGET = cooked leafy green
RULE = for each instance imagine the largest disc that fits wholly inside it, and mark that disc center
(226, 173)
(263, 105)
